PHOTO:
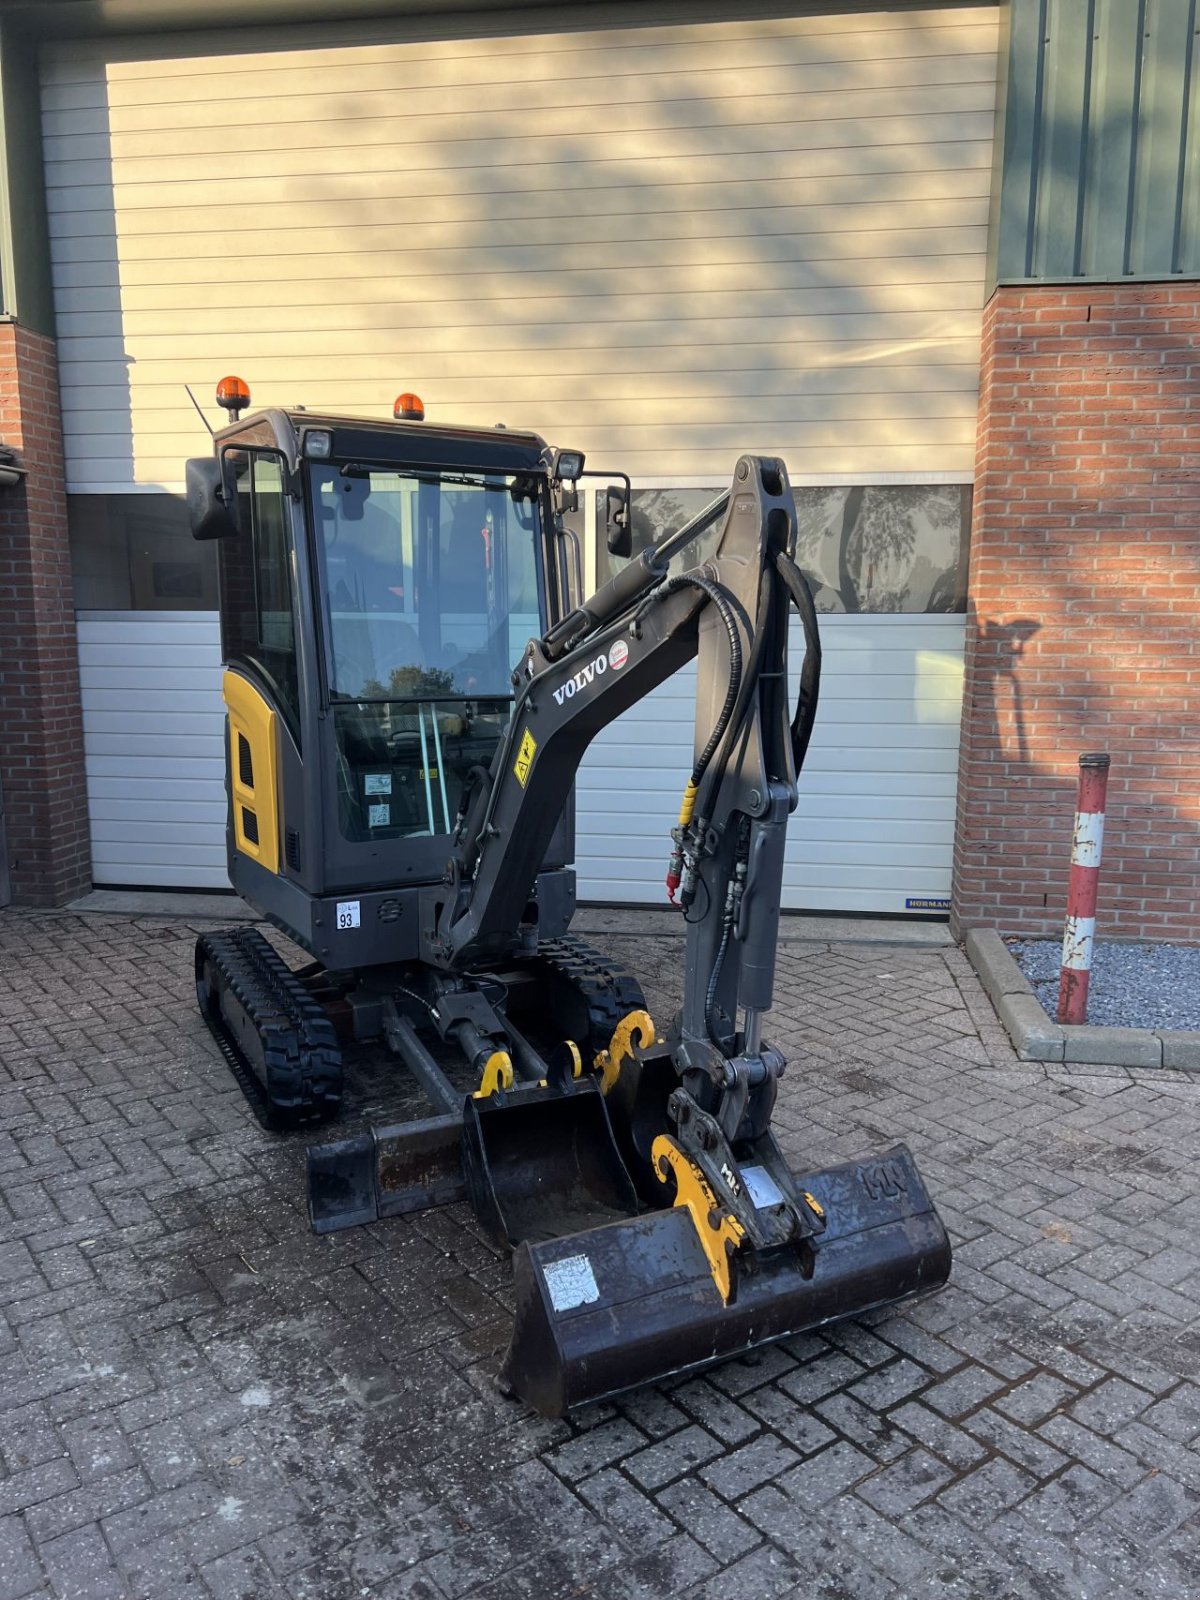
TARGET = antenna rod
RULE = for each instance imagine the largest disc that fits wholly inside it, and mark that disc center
(200, 414)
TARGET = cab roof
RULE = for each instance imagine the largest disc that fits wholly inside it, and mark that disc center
(386, 441)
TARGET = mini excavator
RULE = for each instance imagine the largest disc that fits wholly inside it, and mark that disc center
(413, 673)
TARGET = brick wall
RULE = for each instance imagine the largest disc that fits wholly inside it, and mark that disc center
(41, 734)
(1084, 613)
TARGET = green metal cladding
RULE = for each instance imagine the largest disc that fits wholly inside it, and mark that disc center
(1100, 171)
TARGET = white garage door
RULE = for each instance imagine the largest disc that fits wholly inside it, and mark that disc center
(664, 245)
(153, 733)
(874, 827)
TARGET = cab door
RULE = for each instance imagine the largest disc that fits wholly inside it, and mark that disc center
(262, 680)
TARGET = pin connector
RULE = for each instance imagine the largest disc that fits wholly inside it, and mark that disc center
(674, 873)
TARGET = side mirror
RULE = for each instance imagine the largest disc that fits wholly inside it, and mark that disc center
(618, 528)
(210, 501)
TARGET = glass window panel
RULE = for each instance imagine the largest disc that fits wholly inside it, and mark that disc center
(135, 552)
(431, 584)
(432, 594)
(257, 613)
(864, 548)
(403, 764)
(893, 547)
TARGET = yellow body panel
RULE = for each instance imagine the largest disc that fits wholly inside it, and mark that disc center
(252, 717)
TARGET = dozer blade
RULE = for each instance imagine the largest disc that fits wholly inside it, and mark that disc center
(385, 1172)
(635, 1301)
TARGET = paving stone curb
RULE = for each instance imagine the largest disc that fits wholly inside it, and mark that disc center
(1035, 1037)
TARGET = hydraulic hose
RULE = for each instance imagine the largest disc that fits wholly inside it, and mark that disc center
(757, 648)
(720, 600)
(710, 998)
(810, 672)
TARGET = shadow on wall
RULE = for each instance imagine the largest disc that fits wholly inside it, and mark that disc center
(997, 649)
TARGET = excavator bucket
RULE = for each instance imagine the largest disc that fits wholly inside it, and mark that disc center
(635, 1301)
(535, 1164)
(546, 1167)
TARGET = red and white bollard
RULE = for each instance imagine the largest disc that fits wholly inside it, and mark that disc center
(1080, 931)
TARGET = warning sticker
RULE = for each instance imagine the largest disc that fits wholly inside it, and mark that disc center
(377, 783)
(525, 757)
(379, 816)
(571, 1283)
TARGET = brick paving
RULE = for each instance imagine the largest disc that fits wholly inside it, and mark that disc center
(201, 1398)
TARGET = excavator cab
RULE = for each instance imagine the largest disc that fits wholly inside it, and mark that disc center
(413, 675)
(378, 583)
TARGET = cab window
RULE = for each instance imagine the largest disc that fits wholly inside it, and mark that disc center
(258, 606)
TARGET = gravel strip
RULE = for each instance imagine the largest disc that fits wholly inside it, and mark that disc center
(1133, 985)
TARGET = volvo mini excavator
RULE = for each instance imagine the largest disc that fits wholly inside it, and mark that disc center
(413, 675)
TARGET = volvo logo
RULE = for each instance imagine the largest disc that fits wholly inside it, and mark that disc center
(582, 678)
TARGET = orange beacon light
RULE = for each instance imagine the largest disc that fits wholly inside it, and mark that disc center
(234, 395)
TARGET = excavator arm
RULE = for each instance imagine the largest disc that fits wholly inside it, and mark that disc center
(726, 859)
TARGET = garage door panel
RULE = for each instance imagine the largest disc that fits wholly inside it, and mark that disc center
(516, 139)
(96, 406)
(523, 119)
(877, 795)
(189, 866)
(607, 55)
(153, 742)
(909, 249)
(777, 92)
(186, 255)
(652, 183)
(824, 285)
(845, 413)
(106, 726)
(125, 819)
(160, 829)
(933, 326)
(133, 775)
(113, 703)
(150, 655)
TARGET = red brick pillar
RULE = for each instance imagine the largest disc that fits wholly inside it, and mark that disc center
(1084, 607)
(41, 732)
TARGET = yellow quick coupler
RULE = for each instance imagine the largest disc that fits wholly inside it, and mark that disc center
(608, 1063)
(497, 1075)
(719, 1231)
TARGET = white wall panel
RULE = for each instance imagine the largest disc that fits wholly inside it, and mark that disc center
(153, 739)
(875, 821)
(663, 245)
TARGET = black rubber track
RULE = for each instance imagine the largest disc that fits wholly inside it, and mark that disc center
(242, 982)
(581, 985)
